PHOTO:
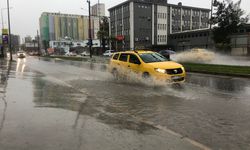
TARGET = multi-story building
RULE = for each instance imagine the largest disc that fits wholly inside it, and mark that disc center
(15, 42)
(98, 10)
(57, 26)
(149, 23)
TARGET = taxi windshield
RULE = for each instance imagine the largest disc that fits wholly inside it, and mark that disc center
(152, 57)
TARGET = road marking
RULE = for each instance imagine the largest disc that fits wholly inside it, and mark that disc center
(195, 143)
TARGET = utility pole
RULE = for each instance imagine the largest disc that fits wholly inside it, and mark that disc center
(38, 42)
(212, 3)
(210, 25)
(10, 49)
(90, 35)
(2, 18)
(99, 16)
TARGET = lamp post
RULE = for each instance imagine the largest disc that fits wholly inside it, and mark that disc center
(2, 17)
(2, 9)
(210, 25)
(10, 49)
(90, 35)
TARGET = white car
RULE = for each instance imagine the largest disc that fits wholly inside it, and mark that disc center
(21, 54)
(70, 54)
(85, 53)
(108, 53)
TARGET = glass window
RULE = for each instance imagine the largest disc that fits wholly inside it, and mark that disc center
(134, 59)
(152, 57)
(116, 56)
(123, 57)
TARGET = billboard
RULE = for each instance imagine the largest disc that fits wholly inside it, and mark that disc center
(5, 31)
(5, 39)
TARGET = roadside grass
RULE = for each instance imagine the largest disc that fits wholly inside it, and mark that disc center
(242, 71)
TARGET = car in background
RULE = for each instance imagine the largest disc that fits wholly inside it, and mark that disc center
(167, 53)
(85, 53)
(108, 53)
(70, 54)
(21, 54)
(146, 64)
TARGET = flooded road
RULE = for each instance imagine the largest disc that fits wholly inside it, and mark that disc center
(55, 104)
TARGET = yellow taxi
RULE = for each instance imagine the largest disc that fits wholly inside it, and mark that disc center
(147, 64)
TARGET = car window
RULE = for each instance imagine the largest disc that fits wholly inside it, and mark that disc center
(116, 56)
(123, 57)
(134, 59)
(152, 57)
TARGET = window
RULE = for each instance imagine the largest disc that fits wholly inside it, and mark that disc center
(134, 59)
(152, 57)
(116, 56)
(123, 57)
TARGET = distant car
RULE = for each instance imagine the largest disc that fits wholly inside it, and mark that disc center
(21, 54)
(167, 53)
(108, 53)
(71, 54)
(85, 53)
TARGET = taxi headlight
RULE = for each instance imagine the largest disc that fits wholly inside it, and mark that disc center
(160, 70)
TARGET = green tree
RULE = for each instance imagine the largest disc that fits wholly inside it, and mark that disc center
(103, 33)
(227, 20)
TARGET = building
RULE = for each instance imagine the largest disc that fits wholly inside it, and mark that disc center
(191, 39)
(98, 10)
(27, 39)
(15, 42)
(240, 41)
(57, 26)
(150, 23)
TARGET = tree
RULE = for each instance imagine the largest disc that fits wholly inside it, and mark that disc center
(227, 20)
(46, 45)
(103, 33)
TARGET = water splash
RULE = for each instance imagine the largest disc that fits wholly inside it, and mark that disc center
(195, 56)
(206, 56)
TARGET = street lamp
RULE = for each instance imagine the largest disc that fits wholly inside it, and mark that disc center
(8, 6)
(90, 35)
(2, 9)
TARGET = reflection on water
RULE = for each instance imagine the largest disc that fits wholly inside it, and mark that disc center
(231, 85)
(5, 72)
(51, 95)
(20, 65)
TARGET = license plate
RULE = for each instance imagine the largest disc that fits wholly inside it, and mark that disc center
(176, 77)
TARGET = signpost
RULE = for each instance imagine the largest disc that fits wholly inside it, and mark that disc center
(4, 41)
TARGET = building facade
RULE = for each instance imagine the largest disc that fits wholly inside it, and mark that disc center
(57, 26)
(240, 41)
(98, 10)
(149, 23)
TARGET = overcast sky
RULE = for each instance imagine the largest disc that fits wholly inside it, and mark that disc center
(25, 13)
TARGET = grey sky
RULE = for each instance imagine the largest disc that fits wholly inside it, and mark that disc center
(25, 13)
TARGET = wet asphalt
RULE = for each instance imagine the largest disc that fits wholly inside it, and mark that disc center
(63, 105)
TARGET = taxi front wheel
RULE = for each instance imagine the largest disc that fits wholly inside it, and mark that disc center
(145, 75)
(115, 73)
